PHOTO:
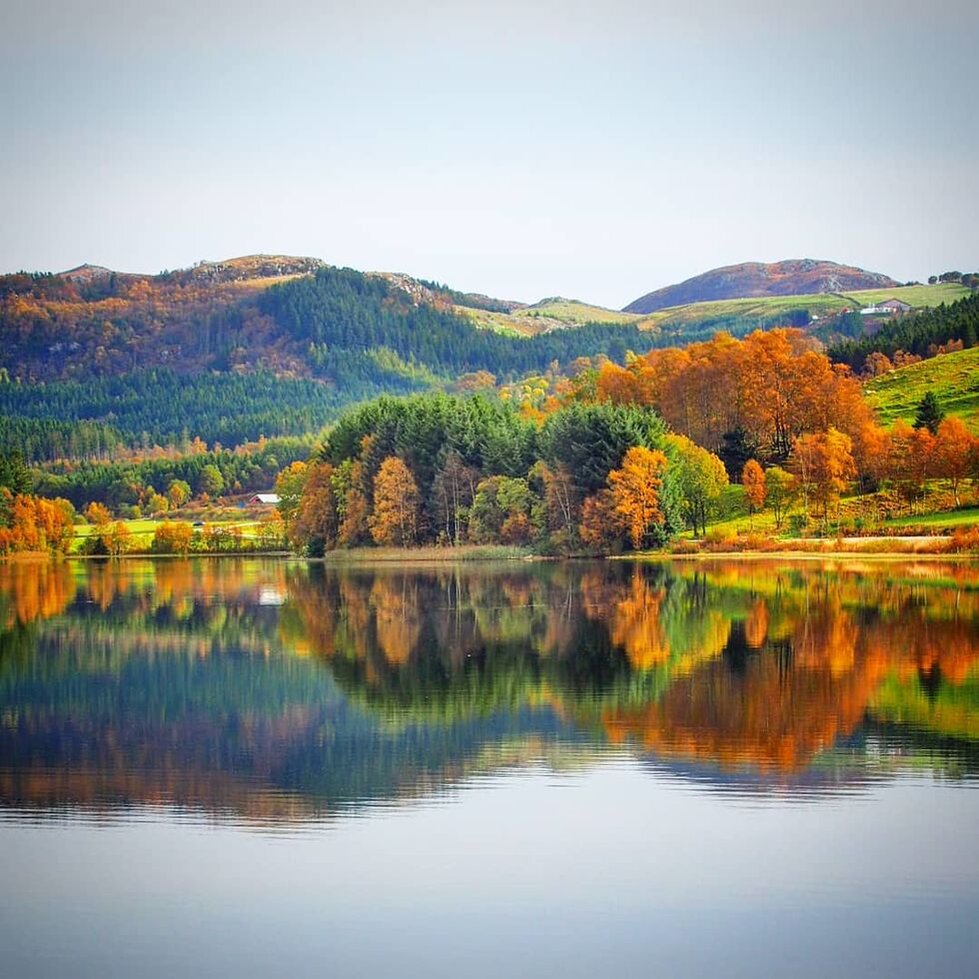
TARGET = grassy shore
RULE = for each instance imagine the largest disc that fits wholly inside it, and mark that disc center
(429, 555)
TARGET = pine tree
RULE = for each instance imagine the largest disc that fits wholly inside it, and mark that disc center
(929, 413)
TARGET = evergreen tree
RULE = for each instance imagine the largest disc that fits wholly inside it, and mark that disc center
(929, 413)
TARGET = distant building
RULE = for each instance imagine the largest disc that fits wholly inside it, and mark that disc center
(264, 499)
(894, 306)
(870, 311)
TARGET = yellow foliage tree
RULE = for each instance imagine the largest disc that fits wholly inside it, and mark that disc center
(635, 491)
(394, 520)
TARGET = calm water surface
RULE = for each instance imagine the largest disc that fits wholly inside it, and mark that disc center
(261, 768)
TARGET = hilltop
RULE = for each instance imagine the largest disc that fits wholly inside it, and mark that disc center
(793, 277)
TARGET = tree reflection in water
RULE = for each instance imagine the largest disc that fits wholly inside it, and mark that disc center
(277, 690)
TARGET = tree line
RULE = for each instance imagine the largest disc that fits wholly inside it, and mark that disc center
(436, 469)
(920, 335)
(131, 487)
(99, 418)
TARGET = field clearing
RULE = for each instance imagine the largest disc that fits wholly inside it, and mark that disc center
(572, 311)
(945, 292)
(763, 307)
(967, 517)
(954, 378)
(552, 314)
(820, 303)
(142, 531)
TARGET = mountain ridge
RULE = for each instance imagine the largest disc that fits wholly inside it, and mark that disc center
(747, 280)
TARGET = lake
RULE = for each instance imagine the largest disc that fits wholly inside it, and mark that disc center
(263, 767)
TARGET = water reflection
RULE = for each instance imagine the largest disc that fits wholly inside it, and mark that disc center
(277, 692)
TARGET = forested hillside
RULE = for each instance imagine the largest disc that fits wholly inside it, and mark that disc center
(921, 335)
(99, 418)
(93, 362)
(98, 365)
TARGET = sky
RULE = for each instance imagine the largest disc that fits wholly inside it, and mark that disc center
(521, 149)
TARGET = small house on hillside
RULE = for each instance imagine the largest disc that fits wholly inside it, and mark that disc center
(263, 499)
(894, 306)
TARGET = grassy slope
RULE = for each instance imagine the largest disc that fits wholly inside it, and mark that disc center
(550, 314)
(953, 377)
(820, 304)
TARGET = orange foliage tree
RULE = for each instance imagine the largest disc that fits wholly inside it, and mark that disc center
(753, 481)
(823, 465)
(909, 460)
(314, 523)
(773, 384)
(173, 537)
(955, 448)
(35, 524)
(602, 527)
(394, 519)
(635, 492)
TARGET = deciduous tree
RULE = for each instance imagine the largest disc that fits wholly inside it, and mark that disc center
(635, 492)
(753, 481)
(394, 519)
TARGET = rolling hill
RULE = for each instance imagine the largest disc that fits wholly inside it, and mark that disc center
(794, 277)
(93, 361)
(953, 377)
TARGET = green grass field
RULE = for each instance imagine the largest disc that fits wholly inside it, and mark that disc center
(945, 292)
(549, 314)
(967, 517)
(142, 531)
(953, 377)
(819, 304)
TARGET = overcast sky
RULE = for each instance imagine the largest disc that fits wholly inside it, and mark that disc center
(523, 149)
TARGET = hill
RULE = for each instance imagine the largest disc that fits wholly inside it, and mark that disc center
(953, 377)
(794, 277)
(94, 362)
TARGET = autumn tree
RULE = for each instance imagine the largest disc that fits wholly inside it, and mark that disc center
(35, 524)
(910, 460)
(353, 508)
(178, 493)
(954, 449)
(823, 465)
(98, 514)
(753, 481)
(602, 527)
(394, 518)
(314, 523)
(635, 492)
(173, 537)
(116, 539)
(289, 485)
(157, 503)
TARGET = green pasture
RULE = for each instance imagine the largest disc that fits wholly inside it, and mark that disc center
(142, 531)
(953, 377)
